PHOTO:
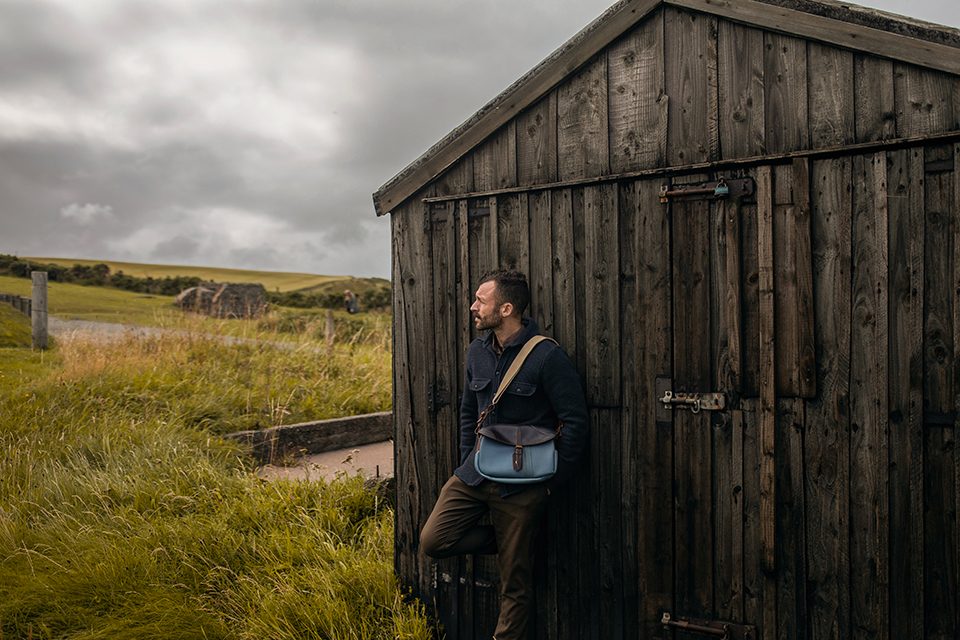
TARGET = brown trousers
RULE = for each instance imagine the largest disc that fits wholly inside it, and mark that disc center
(452, 530)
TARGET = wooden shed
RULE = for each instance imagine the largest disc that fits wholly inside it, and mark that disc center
(753, 201)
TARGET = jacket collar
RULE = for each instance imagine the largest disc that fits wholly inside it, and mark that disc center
(529, 330)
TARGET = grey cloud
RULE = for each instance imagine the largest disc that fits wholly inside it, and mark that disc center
(157, 152)
(180, 247)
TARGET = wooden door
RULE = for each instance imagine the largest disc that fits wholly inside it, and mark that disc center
(707, 345)
(741, 271)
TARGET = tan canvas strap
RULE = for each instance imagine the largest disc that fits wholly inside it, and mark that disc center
(511, 374)
(517, 363)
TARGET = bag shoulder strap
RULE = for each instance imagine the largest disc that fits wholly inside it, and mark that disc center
(525, 351)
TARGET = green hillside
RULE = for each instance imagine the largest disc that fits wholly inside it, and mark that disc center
(271, 280)
(14, 328)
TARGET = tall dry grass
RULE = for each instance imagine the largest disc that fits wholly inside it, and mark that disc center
(123, 515)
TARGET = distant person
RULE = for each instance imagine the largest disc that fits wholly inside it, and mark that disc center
(548, 392)
(350, 301)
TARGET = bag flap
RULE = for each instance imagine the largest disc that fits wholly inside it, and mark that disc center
(514, 434)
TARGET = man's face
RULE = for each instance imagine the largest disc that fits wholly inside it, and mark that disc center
(486, 307)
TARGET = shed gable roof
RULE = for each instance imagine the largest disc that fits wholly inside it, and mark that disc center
(841, 24)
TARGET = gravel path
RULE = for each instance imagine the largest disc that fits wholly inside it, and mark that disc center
(104, 330)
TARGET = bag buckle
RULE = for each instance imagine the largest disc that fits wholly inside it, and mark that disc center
(518, 457)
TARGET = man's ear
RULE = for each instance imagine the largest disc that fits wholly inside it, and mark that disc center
(506, 309)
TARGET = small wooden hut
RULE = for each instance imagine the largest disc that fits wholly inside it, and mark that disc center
(754, 201)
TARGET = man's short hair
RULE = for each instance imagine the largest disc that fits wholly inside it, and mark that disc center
(511, 287)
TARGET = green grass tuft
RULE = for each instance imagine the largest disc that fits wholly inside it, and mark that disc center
(123, 516)
(15, 329)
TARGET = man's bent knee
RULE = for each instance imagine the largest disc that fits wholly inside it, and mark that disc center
(433, 545)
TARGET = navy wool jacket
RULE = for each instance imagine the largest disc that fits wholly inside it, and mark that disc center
(546, 389)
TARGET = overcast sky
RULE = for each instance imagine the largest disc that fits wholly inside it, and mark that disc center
(249, 133)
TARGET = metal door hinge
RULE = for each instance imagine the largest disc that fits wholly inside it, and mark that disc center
(695, 402)
(709, 628)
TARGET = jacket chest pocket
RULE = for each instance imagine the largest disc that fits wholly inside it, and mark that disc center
(481, 387)
(522, 389)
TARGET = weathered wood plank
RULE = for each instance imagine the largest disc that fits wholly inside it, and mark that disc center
(751, 301)
(443, 235)
(564, 296)
(785, 98)
(495, 161)
(754, 578)
(741, 80)
(480, 240)
(868, 401)
(602, 295)
(956, 363)
(876, 115)
(651, 330)
(806, 364)
(415, 427)
(513, 231)
(726, 310)
(564, 321)
(443, 230)
(601, 267)
(940, 551)
(767, 404)
(905, 275)
(828, 421)
(693, 371)
(924, 100)
(831, 95)
(638, 103)
(457, 179)
(586, 491)
(606, 481)
(793, 282)
(791, 542)
(582, 130)
(540, 211)
(632, 424)
(690, 62)
(537, 142)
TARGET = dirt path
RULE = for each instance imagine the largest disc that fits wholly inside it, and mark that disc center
(372, 460)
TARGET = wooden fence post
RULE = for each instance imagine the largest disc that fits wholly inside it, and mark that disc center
(330, 331)
(39, 309)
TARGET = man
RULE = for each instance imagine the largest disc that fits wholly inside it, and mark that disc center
(546, 391)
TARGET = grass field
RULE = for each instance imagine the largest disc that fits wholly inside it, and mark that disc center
(74, 301)
(123, 516)
(271, 280)
(18, 364)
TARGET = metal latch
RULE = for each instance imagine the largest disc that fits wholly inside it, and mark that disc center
(695, 402)
(722, 188)
(709, 628)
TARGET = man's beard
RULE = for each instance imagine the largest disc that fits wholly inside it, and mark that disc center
(492, 321)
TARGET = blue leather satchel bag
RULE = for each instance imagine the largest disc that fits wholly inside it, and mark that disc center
(515, 453)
